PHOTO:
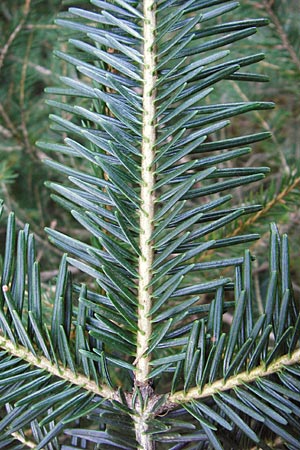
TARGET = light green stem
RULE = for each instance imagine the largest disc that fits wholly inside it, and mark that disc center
(146, 223)
(24, 441)
(61, 372)
(236, 380)
(147, 196)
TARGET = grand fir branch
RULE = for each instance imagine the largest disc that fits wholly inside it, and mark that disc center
(60, 372)
(237, 380)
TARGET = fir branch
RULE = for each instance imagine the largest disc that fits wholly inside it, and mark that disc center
(236, 380)
(265, 125)
(279, 198)
(15, 32)
(145, 95)
(57, 371)
(281, 32)
(11, 205)
(22, 95)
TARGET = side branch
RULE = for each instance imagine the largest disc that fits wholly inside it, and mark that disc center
(14, 34)
(60, 372)
(283, 35)
(235, 381)
(279, 198)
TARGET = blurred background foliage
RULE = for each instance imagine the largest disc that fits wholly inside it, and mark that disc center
(28, 36)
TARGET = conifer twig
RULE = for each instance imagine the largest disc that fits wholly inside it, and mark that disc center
(25, 441)
(22, 95)
(236, 380)
(7, 120)
(277, 199)
(37, 26)
(15, 32)
(11, 205)
(284, 37)
(57, 371)
(266, 126)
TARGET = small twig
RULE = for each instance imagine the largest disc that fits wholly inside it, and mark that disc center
(5, 132)
(14, 34)
(48, 275)
(27, 7)
(236, 380)
(60, 372)
(37, 67)
(11, 148)
(22, 95)
(10, 41)
(10, 205)
(8, 122)
(24, 441)
(277, 441)
(253, 219)
(32, 26)
(278, 199)
(281, 32)
(265, 125)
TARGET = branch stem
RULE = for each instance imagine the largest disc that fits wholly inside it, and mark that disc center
(60, 372)
(279, 198)
(236, 380)
(144, 440)
(146, 225)
(147, 196)
(23, 440)
(282, 33)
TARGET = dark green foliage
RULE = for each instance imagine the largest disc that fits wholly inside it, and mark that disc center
(75, 376)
